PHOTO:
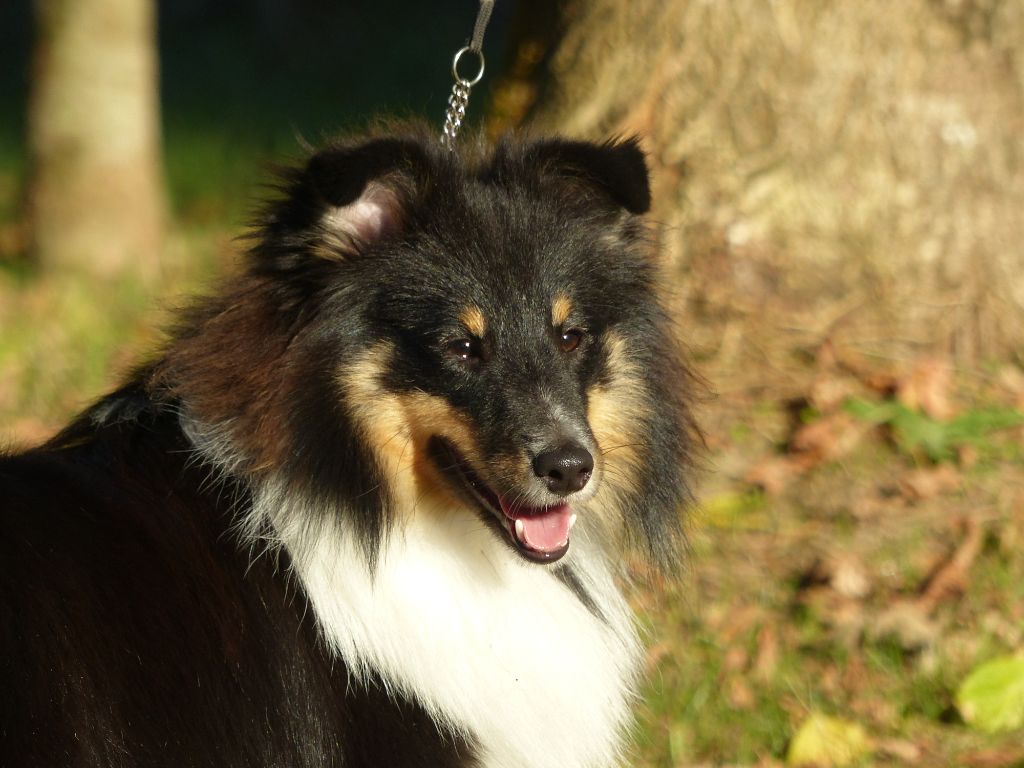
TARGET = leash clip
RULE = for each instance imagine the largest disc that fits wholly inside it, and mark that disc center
(459, 99)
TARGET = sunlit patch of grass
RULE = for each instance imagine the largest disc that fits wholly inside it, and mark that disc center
(67, 339)
(688, 713)
(59, 341)
(709, 702)
(733, 510)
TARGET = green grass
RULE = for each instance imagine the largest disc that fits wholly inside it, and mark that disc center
(711, 702)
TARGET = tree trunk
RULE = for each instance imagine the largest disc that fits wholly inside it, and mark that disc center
(855, 169)
(95, 197)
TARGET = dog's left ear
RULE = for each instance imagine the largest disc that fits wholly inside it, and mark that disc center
(617, 168)
(349, 198)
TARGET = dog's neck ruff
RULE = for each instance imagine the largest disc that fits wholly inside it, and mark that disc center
(493, 647)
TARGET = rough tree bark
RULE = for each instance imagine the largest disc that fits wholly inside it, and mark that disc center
(95, 193)
(852, 168)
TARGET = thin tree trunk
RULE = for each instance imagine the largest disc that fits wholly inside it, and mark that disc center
(851, 168)
(95, 197)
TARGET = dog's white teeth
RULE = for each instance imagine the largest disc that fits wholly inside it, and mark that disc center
(519, 528)
(572, 521)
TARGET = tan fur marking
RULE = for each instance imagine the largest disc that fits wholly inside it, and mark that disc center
(615, 411)
(397, 427)
(561, 307)
(474, 321)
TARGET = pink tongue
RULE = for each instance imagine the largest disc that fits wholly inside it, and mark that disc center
(545, 529)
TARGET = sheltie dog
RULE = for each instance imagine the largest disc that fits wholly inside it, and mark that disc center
(370, 504)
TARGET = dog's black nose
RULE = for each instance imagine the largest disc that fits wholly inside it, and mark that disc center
(565, 469)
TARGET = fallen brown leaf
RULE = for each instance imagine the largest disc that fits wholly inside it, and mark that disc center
(738, 622)
(966, 456)
(998, 757)
(882, 382)
(910, 622)
(844, 573)
(828, 393)
(949, 579)
(920, 484)
(827, 438)
(736, 659)
(740, 695)
(767, 658)
(926, 388)
(773, 474)
(903, 750)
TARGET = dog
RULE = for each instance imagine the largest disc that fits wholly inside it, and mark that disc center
(370, 503)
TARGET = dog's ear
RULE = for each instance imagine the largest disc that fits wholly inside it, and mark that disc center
(617, 168)
(348, 198)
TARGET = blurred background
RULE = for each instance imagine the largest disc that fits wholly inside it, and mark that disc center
(840, 195)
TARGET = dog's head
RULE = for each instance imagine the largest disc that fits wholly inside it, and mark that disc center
(419, 330)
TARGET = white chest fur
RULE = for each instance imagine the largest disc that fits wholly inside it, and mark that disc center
(490, 645)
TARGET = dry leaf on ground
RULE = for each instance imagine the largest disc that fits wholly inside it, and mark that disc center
(949, 579)
(920, 484)
(926, 389)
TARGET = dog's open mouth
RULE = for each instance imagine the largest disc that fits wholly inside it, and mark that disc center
(540, 534)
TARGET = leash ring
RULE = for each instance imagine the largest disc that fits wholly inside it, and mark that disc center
(455, 67)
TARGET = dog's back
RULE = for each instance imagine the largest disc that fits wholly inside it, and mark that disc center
(135, 631)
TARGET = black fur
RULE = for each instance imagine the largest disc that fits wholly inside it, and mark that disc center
(136, 630)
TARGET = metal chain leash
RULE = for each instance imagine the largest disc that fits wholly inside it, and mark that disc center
(459, 99)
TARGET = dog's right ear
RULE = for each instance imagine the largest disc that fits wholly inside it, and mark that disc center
(617, 168)
(614, 172)
(349, 198)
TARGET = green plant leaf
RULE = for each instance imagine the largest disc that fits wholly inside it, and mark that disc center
(872, 412)
(991, 699)
(917, 434)
(975, 425)
(827, 741)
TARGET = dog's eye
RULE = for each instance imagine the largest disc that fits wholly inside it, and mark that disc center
(570, 339)
(465, 350)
